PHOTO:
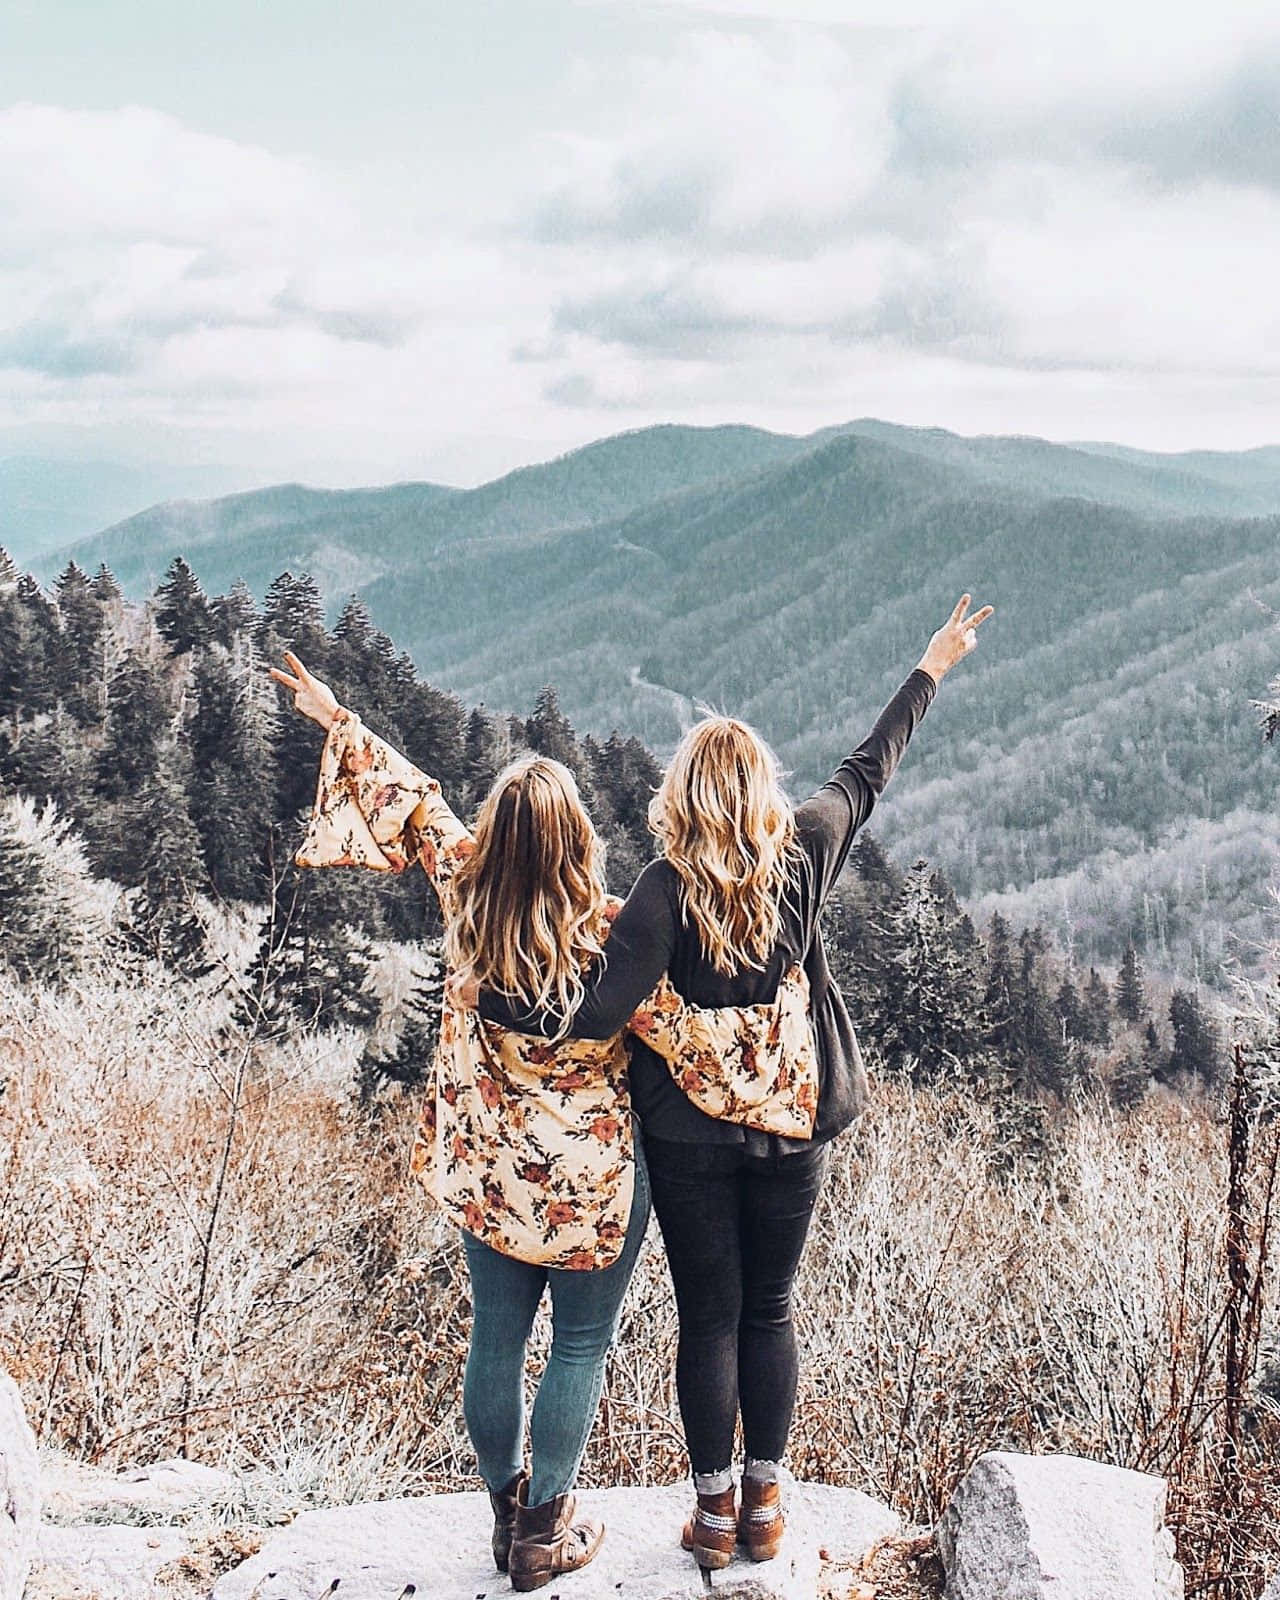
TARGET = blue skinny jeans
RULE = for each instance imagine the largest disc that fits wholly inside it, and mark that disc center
(585, 1308)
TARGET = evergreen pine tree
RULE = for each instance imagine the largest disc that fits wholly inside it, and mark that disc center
(354, 626)
(1037, 1033)
(232, 773)
(106, 591)
(13, 641)
(41, 646)
(233, 614)
(1196, 1051)
(363, 670)
(548, 731)
(1131, 999)
(1069, 1009)
(165, 872)
(483, 752)
(1154, 1059)
(136, 727)
(313, 961)
(1095, 1010)
(49, 758)
(873, 869)
(998, 994)
(83, 622)
(432, 726)
(855, 919)
(293, 619)
(182, 612)
(1130, 1080)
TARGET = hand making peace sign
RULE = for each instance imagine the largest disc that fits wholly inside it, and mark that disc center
(954, 639)
(311, 695)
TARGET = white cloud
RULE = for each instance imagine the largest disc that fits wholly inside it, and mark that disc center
(977, 228)
(1014, 200)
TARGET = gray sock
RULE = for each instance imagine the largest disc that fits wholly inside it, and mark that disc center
(761, 1471)
(713, 1482)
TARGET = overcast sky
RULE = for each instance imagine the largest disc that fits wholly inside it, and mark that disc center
(415, 239)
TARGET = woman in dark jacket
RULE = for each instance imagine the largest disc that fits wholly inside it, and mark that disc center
(729, 907)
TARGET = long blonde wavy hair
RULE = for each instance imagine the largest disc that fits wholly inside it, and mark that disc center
(530, 899)
(728, 829)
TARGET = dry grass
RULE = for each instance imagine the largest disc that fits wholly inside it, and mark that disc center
(949, 1303)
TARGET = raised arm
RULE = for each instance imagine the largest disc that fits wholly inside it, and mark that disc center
(843, 804)
(373, 807)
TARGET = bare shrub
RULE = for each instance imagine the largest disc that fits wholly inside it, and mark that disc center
(208, 1245)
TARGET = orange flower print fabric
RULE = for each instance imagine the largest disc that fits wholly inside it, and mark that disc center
(755, 1065)
(524, 1142)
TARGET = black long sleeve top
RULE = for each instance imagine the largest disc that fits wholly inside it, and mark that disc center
(651, 936)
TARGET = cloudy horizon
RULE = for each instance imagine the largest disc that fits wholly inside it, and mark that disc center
(442, 242)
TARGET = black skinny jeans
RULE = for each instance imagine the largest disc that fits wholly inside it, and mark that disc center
(734, 1227)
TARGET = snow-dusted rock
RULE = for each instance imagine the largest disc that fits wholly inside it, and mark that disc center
(1057, 1528)
(1272, 1591)
(108, 1561)
(19, 1491)
(74, 1492)
(440, 1544)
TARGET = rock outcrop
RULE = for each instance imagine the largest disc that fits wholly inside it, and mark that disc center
(440, 1546)
(19, 1492)
(161, 1492)
(1057, 1528)
(108, 1561)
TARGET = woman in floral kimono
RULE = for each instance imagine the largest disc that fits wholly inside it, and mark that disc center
(526, 1141)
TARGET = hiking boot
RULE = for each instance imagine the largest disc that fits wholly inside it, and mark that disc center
(504, 1519)
(760, 1522)
(711, 1530)
(549, 1540)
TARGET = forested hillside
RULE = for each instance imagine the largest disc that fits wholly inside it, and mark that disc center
(157, 737)
(1095, 767)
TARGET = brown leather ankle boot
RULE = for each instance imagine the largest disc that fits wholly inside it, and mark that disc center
(504, 1519)
(550, 1539)
(711, 1530)
(760, 1522)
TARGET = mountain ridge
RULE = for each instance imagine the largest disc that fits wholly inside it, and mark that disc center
(794, 581)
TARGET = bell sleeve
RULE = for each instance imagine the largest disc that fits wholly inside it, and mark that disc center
(687, 1036)
(375, 809)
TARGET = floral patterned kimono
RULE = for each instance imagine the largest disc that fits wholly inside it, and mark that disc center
(526, 1142)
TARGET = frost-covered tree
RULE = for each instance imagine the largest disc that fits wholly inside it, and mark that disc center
(407, 1062)
(934, 1026)
(53, 914)
(165, 873)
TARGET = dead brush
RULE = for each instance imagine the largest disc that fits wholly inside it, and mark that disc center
(273, 1296)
